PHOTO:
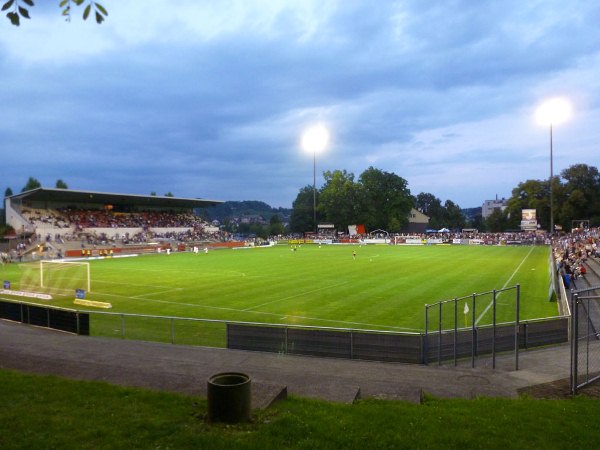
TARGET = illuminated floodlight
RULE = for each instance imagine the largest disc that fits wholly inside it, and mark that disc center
(554, 111)
(315, 139)
(550, 113)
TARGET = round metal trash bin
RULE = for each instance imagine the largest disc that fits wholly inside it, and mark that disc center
(229, 397)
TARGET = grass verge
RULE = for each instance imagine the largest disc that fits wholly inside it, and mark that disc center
(50, 412)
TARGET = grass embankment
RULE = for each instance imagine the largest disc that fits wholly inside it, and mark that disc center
(39, 412)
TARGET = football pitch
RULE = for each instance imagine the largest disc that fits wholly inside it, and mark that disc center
(380, 288)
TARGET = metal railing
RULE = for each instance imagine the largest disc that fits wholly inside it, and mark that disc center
(447, 323)
(585, 337)
(418, 348)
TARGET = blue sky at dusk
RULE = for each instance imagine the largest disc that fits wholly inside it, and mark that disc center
(209, 99)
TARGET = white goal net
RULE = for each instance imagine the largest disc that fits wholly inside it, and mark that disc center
(60, 277)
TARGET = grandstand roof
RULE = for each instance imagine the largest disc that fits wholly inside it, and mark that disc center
(107, 198)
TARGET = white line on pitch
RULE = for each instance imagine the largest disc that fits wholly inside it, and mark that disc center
(135, 285)
(487, 308)
(156, 293)
(292, 316)
(294, 296)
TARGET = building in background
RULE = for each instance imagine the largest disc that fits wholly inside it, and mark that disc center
(490, 205)
(417, 221)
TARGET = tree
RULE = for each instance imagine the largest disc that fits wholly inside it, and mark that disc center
(340, 199)
(32, 183)
(496, 221)
(301, 219)
(153, 193)
(60, 184)
(19, 10)
(581, 195)
(169, 194)
(530, 194)
(454, 220)
(431, 206)
(276, 227)
(8, 192)
(476, 222)
(583, 177)
(385, 200)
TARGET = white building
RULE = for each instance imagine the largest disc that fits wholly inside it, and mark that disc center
(490, 205)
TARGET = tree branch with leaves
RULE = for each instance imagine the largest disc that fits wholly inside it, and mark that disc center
(18, 9)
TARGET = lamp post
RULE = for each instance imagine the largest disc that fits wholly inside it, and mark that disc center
(314, 140)
(553, 112)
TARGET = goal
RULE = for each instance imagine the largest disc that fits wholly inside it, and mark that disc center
(65, 275)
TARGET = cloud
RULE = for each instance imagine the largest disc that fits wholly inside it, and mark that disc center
(209, 99)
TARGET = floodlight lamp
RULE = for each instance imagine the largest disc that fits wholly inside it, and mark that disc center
(554, 111)
(315, 139)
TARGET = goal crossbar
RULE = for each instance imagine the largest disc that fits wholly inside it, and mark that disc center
(75, 263)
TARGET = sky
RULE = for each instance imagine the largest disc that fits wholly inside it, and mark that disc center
(208, 99)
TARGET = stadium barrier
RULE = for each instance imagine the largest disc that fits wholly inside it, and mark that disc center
(469, 326)
(415, 348)
(485, 340)
(44, 316)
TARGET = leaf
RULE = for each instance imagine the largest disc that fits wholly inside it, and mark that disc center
(29, 2)
(78, 2)
(14, 18)
(66, 11)
(86, 12)
(24, 12)
(101, 9)
(7, 5)
(63, 3)
(99, 18)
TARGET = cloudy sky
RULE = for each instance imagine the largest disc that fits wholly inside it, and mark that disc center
(209, 99)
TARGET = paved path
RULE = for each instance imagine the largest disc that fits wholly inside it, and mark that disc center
(186, 368)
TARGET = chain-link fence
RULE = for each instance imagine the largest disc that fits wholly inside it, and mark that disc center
(585, 337)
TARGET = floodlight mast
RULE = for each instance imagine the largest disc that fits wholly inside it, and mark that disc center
(552, 112)
(314, 140)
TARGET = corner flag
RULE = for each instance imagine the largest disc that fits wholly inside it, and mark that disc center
(466, 308)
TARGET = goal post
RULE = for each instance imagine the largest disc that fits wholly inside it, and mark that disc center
(51, 271)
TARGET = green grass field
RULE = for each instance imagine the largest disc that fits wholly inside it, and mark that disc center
(44, 412)
(383, 288)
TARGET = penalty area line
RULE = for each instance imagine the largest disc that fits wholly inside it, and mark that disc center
(487, 308)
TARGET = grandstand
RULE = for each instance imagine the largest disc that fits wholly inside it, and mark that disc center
(64, 222)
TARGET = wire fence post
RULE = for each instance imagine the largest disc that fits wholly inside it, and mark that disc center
(517, 326)
(574, 341)
(455, 329)
(473, 331)
(426, 340)
(440, 334)
(494, 329)
(172, 330)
